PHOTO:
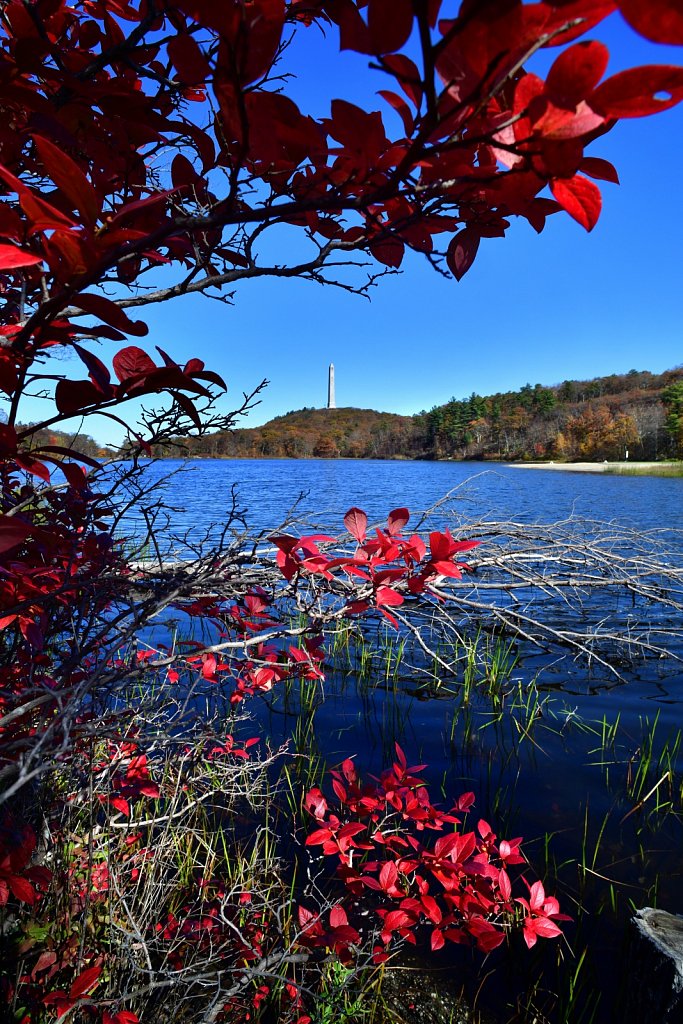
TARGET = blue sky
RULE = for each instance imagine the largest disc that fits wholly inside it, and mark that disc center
(533, 308)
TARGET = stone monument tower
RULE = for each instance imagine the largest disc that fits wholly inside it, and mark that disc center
(331, 403)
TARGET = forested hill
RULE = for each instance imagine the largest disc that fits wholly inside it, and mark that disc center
(320, 433)
(597, 419)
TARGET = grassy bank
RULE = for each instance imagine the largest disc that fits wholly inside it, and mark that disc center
(646, 469)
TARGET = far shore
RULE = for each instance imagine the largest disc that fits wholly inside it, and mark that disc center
(625, 467)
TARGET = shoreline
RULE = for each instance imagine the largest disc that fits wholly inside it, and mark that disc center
(616, 468)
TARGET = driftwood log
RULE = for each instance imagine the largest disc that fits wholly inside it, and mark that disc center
(654, 989)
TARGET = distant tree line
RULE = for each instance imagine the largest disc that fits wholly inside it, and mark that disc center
(639, 413)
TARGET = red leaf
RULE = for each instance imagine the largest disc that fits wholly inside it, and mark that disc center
(580, 198)
(390, 23)
(99, 374)
(121, 805)
(576, 72)
(208, 666)
(462, 251)
(397, 519)
(588, 13)
(86, 980)
(21, 889)
(187, 406)
(389, 251)
(188, 59)
(401, 108)
(388, 875)
(432, 910)
(11, 257)
(33, 466)
(595, 167)
(356, 522)
(386, 596)
(338, 918)
(318, 836)
(45, 960)
(437, 940)
(407, 75)
(397, 919)
(73, 395)
(13, 531)
(132, 362)
(112, 314)
(69, 179)
(74, 474)
(658, 20)
(183, 173)
(639, 91)
(42, 215)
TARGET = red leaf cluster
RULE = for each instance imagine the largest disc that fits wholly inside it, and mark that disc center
(458, 889)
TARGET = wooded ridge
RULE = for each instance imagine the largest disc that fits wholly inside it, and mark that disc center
(639, 412)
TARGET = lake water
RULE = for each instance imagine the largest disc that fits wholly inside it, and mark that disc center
(582, 802)
(324, 489)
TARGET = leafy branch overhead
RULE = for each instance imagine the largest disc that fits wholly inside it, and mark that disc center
(147, 138)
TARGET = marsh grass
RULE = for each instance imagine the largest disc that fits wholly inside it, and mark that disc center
(670, 469)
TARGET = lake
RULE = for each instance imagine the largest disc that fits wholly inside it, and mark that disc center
(589, 772)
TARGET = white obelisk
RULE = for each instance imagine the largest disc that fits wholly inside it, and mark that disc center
(331, 403)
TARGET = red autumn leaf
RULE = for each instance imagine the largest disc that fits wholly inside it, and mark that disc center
(85, 981)
(33, 466)
(576, 72)
(580, 198)
(595, 167)
(11, 257)
(338, 918)
(432, 909)
(183, 173)
(579, 15)
(446, 568)
(407, 75)
(387, 597)
(388, 875)
(21, 889)
(208, 666)
(318, 836)
(397, 519)
(658, 20)
(73, 395)
(132, 362)
(112, 314)
(397, 919)
(639, 91)
(76, 476)
(462, 251)
(401, 108)
(13, 531)
(42, 215)
(188, 59)
(45, 960)
(121, 805)
(390, 23)
(265, 21)
(389, 251)
(99, 374)
(69, 179)
(356, 522)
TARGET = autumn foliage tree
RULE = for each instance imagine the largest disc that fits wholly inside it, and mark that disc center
(146, 150)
